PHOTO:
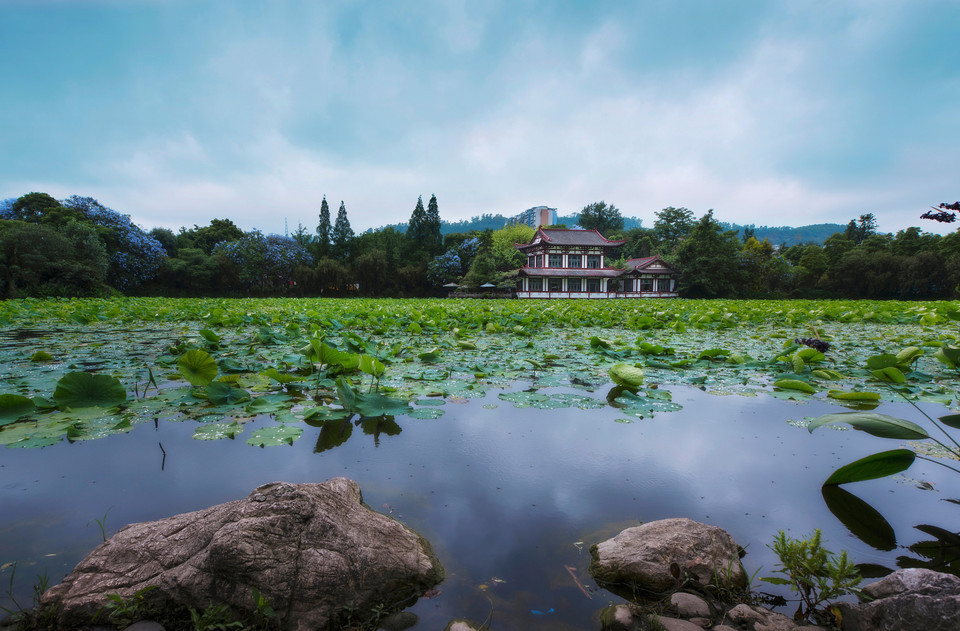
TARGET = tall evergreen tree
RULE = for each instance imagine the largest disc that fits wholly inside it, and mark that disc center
(417, 228)
(342, 234)
(323, 229)
(433, 238)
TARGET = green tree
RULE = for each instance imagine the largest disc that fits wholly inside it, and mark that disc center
(484, 267)
(671, 226)
(324, 231)
(166, 238)
(506, 256)
(41, 208)
(208, 237)
(371, 272)
(41, 261)
(417, 230)
(433, 237)
(605, 219)
(342, 234)
(858, 231)
(709, 259)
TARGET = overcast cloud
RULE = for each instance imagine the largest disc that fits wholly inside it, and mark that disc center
(772, 113)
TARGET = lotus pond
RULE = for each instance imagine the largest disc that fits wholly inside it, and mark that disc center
(494, 428)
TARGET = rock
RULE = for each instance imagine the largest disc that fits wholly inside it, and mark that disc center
(315, 551)
(145, 625)
(760, 619)
(689, 606)
(640, 558)
(907, 599)
(461, 625)
(672, 624)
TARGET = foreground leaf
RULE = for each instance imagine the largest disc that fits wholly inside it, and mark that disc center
(274, 436)
(13, 406)
(626, 375)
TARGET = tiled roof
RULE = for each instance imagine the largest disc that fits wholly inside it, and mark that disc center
(638, 264)
(580, 238)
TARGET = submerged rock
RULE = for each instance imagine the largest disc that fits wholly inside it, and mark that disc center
(315, 551)
(652, 557)
(907, 599)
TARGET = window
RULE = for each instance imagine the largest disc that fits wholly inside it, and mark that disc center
(574, 260)
(531, 261)
(555, 284)
(663, 284)
(536, 284)
(627, 284)
(646, 284)
(539, 261)
(593, 284)
(573, 284)
(593, 261)
(556, 260)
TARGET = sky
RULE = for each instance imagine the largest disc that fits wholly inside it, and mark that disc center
(768, 112)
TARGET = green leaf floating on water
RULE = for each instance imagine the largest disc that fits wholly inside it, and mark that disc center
(13, 406)
(269, 403)
(873, 423)
(224, 394)
(795, 384)
(197, 367)
(276, 435)
(216, 431)
(41, 356)
(951, 420)
(84, 390)
(626, 375)
(874, 466)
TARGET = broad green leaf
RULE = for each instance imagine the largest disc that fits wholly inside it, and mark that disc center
(281, 377)
(626, 375)
(321, 415)
(908, 355)
(375, 404)
(268, 404)
(210, 336)
(372, 366)
(873, 423)
(197, 367)
(951, 420)
(853, 396)
(348, 398)
(795, 384)
(41, 356)
(274, 436)
(216, 431)
(430, 356)
(599, 342)
(891, 374)
(875, 466)
(879, 362)
(466, 345)
(13, 406)
(224, 394)
(84, 390)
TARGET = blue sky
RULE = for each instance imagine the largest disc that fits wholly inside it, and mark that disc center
(773, 113)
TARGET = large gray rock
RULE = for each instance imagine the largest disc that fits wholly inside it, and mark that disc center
(639, 559)
(315, 551)
(907, 599)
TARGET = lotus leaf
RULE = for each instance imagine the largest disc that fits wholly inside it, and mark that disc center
(274, 436)
(83, 390)
(197, 367)
(874, 424)
(215, 431)
(224, 394)
(626, 375)
(874, 466)
(14, 406)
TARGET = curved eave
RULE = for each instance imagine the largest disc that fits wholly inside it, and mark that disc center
(567, 272)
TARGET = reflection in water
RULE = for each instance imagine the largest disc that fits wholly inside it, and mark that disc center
(511, 498)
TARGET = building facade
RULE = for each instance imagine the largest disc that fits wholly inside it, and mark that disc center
(573, 264)
(535, 217)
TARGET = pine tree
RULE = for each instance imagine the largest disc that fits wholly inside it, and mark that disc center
(342, 234)
(417, 228)
(432, 237)
(323, 229)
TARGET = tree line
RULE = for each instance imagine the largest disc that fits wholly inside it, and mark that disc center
(79, 247)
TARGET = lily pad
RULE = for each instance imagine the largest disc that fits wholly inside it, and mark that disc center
(14, 406)
(216, 431)
(83, 390)
(274, 436)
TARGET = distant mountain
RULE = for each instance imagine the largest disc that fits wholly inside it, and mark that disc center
(785, 235)
(777, 235)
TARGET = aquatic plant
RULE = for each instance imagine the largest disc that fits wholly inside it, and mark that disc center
(813, 572)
